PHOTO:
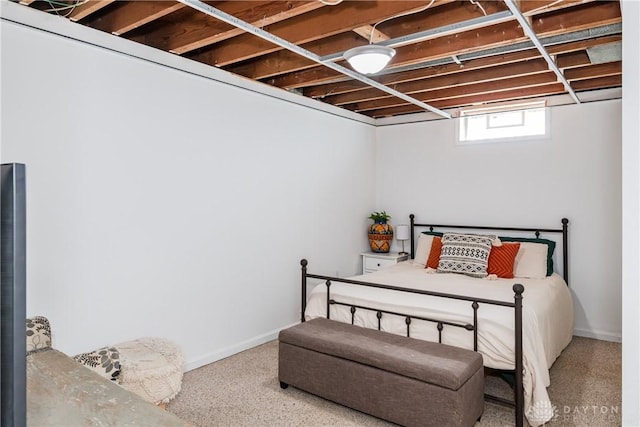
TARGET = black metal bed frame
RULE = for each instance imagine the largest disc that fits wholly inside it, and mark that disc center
(518, 290)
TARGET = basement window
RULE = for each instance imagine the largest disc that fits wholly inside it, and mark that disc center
(513, 122)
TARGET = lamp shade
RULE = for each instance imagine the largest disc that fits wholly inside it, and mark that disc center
(402, 232)
(369, 59)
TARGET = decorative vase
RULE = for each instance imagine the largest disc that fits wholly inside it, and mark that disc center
(380, 236)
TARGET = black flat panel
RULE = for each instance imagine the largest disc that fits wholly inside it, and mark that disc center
(13, 295)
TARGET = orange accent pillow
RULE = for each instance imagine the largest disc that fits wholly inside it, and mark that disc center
(502, 258)
(434, 254)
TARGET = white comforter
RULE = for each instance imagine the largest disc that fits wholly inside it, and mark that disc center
(547, 319)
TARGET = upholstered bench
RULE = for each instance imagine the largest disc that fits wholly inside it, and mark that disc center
(399, 379)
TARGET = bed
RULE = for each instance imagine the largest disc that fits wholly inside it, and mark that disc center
(518, 324)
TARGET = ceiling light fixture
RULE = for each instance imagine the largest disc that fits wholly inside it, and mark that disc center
(369, 59)
(373, 58)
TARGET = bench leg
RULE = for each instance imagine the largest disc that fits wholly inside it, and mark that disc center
(283, 385)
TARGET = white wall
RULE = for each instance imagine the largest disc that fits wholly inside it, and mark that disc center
(167, 204)
(105, 218)
(631, 212)
(574, 174)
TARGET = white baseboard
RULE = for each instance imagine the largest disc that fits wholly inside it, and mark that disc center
(236, 348)
(598, 335)
(271, 335)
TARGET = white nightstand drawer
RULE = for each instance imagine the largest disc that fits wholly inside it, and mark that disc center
(377, 263)
(374, 261)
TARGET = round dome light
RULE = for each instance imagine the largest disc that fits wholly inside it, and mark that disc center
(369, 59)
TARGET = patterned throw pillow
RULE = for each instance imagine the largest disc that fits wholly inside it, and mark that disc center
(502, 260)
(105, 361)
(38, 333)
(465, 254)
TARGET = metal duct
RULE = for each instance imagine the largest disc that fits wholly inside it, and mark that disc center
(610, 52)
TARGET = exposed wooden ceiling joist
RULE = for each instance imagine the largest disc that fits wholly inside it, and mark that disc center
(598, 83)
(526, 27)
(127, 17)
(432, 19)
(87, 8)
(370, 34)
(431, 96)
(495, 59)
(312, 26)
(424, 74)
(573, 59)
(193, 30)
(530, 7)
(279, 41)
(493, 36)
(594, 71)
(446, 81)
(420, 74)
(536, 91)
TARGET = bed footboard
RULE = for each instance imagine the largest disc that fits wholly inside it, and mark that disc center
(516, 305)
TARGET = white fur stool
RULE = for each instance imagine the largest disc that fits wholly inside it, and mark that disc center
(151, 368)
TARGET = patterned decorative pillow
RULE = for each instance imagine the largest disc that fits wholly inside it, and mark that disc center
(465, 254)
(104, 361)
(502, 260)
(38, 333)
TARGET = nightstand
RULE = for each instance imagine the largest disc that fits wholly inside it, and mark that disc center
(372, 261)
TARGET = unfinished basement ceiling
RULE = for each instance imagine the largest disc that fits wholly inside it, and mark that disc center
(449, 54)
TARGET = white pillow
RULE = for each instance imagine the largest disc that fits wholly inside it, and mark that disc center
(531, 261)
(424, 247)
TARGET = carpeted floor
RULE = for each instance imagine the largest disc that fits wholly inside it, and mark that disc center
(243, 390)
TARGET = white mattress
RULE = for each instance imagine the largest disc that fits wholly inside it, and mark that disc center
(547, 319)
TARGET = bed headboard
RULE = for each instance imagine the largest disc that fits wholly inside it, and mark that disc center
(536, 231)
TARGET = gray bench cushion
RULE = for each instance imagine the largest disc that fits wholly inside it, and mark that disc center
(434, 363)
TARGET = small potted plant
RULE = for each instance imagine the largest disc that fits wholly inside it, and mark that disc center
(380, 217)
(380, 232)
